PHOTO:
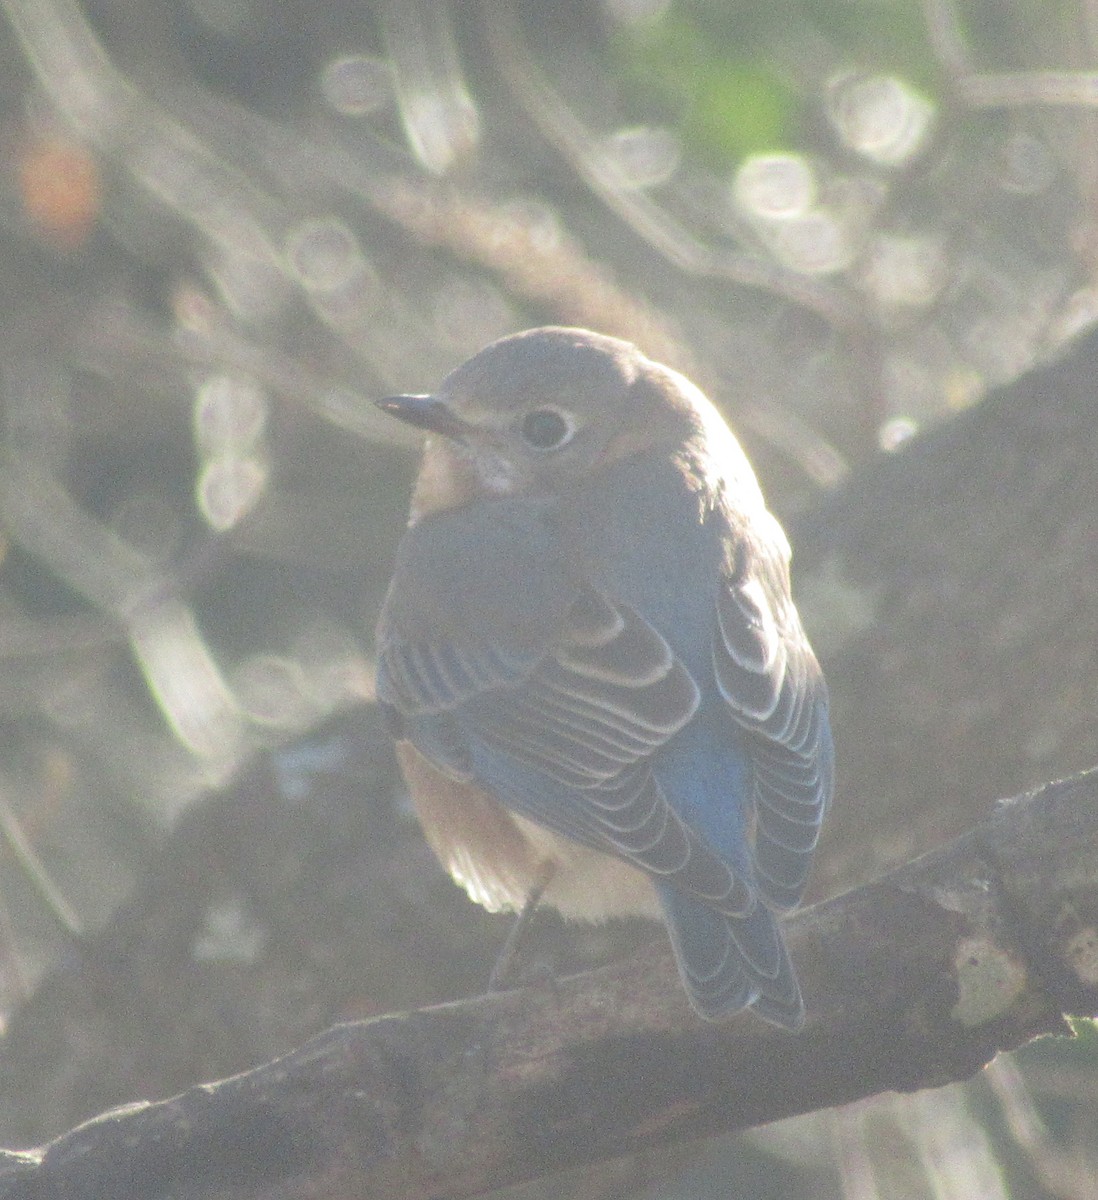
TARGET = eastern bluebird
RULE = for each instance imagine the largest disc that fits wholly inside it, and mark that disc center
(596, 676)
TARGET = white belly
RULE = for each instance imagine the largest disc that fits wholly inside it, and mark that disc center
(587, 885)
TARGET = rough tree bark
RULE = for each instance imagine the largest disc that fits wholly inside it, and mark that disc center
(952, 591)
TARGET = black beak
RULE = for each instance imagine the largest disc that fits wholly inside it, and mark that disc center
(425, 412)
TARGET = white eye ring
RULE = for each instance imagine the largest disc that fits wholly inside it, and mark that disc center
(547, 428)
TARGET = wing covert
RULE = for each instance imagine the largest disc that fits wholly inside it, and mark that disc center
(768, 675)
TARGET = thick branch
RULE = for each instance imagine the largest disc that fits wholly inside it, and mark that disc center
(912, 981)
(951, 590)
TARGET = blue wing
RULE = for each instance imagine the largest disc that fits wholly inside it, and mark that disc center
(573, 731)
(569, 744)
(768, 675)
(769, 679)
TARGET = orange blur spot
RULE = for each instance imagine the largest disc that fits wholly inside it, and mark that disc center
(60, 188)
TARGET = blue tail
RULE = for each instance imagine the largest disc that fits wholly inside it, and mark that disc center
(729, 963)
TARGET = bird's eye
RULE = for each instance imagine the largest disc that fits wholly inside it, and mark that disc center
(547, 428)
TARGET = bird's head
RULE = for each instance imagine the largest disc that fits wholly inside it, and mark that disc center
(537, 412)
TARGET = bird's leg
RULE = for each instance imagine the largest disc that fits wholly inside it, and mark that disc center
(505, 960)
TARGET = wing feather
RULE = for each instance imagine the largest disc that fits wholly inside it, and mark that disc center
(768, 675)
(587, 717)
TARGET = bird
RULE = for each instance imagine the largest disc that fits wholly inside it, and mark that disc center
(601, 692)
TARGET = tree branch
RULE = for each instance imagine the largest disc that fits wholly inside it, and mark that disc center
(951, 591)
(912, 981)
